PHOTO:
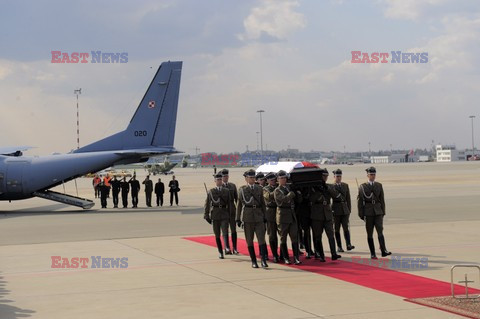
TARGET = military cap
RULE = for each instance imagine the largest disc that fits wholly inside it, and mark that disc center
(337, 172)
(249, 173)
(260, 176)
(371, 170)
(218, 176)
(281, 173)
(271, 176)
(224, 172)
(325, 172)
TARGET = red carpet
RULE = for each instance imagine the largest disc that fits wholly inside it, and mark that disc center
(383, 279)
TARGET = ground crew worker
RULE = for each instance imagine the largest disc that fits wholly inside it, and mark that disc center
(148, 190)
(286, 219)
(95, 182)
(135, 188)
(322, 217)
(270, 214)
(106, 182)
(371, 209)
(217, 212)
(251, 213)
(125, 186)
(233, 210)
(115, 191)
(159, 191)
(342, 206)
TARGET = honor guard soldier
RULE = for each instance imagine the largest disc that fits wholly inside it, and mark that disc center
(260, 179)
(104, 190)
(271, 214)
(125, 186)
(135, 188)
(251, 211)
(303, 211)
(342, 206)
(371, 209)
(322, 217)
(217, 211)
(232, 205)
(148, 190)
(115, 191)
(286, 219)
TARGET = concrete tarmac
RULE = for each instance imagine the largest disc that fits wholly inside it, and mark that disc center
(433, 211)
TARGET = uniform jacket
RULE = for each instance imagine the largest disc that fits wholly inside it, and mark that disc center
(342, 203)
(216, 204)
(148, 186)
(269, 198)
(320, 201)
(233, 197)
(285, 205)
(115, 186)
(135, 186)
(173, 184)
(159, 188)
(371, 200)
(251, 205)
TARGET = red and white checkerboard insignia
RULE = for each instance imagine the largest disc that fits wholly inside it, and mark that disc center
(151, 104)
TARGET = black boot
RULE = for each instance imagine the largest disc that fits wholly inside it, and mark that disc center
(251, 251)
(383, 248)
(331, 243)
(371, 246)
(227, 245)
(319, 254)
(338, 238)
(296, 254)
(274, 249)
(284, 250)
(347, 239)
(234, 243)
(219, 247)
(263, 252)
(308, 244)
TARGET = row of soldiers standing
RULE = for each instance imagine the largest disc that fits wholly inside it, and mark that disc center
(263, 206)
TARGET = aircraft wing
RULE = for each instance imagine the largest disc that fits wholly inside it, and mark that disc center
(12, 150)
(147, 152)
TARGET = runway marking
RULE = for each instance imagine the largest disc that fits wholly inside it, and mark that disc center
(394, 282)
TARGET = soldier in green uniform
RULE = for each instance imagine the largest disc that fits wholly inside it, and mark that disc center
(251, 211)
(260, 179)
(322, 217)
(342, 206)
(371, 209)
(217, 211)
(232, 206)
(286, 219)
(271, 214)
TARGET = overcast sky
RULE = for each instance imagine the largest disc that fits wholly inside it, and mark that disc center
(289, 58)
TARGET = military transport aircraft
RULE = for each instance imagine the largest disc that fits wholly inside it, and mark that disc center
(150, 132)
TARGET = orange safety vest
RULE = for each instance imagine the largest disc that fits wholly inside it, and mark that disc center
(106, 181)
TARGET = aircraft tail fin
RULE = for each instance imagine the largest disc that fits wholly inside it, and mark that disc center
(154, 121)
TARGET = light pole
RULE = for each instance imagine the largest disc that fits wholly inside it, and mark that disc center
(77, 92)
(257, 141)
(261, 134)
(473, 141)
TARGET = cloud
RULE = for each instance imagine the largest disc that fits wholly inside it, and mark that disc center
(272, 20)
(409, 9)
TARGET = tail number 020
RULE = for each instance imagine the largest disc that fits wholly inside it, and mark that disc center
(140, 133)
